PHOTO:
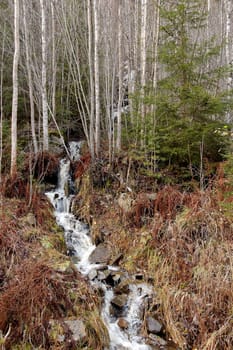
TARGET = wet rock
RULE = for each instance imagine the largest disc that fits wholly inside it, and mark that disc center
(103, 275)
(101, 255)
(122, 323)
(92, 275)
(117, 278)
(153, 326)
(77, 329)
(119, 300)
(122, 287)
(155, 340)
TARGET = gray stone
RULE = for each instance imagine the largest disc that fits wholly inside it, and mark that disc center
(153, 326)
(92, 275)
(77, 329)
(101, 254)
(119, 300)
(117, 277)
(102, 275)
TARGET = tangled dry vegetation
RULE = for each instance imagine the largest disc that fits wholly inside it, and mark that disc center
(183, 242)
(39, 285)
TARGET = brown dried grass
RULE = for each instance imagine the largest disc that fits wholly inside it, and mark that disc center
(32, 297)
(195, 243)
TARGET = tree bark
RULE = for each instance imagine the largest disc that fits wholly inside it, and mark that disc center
(96, 74)
(15, 90)
(143, 64)
(29, 76)
(120, 81)
(44, 78)
(92, 92)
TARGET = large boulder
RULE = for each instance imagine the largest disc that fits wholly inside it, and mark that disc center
(101, 254)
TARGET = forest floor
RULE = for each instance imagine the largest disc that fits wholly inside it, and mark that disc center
(181, 242)
(42, 295)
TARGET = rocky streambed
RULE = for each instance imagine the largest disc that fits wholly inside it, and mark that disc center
(126, 298)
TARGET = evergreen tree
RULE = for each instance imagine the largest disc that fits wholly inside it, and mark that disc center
(190, 101)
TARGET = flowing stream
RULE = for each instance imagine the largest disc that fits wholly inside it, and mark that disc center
(79, 242)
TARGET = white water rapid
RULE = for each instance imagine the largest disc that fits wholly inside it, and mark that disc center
(79, 242)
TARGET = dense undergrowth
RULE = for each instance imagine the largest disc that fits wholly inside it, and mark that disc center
(40, 288)
(180, 240)
(183, 242)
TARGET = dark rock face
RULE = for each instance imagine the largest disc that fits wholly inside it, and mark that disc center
(101, 255)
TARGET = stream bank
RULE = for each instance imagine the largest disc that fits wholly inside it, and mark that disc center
(126, 298)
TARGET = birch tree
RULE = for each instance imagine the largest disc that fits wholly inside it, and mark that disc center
(90, 64)
(96, 74)
(120, 81)
(143, 61)
(44, 77)
(15, 90)
(1, 98)
(29, 76)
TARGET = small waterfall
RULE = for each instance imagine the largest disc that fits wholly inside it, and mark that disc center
(79, 243)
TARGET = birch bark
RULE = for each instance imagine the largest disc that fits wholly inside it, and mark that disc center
(29, 76)
(96, 74)
(13, 169)
(44, 78)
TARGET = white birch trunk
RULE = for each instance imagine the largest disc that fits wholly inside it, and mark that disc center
(120, 82)
(156, 41)
(30, 82)
(143, 63)
(44, 77)
(15, 90)
(54, 63)
(228, 8)
(92, 91)
(96, 74)
(1, 98)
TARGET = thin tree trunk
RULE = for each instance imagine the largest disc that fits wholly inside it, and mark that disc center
(120, 81)
(143, 64)
(54, 64)
(15, 90)
(1, 98)
(44, 77)
(228, 9)
(92, 92)
(30, 83)
(96, 74)
(156, 41)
